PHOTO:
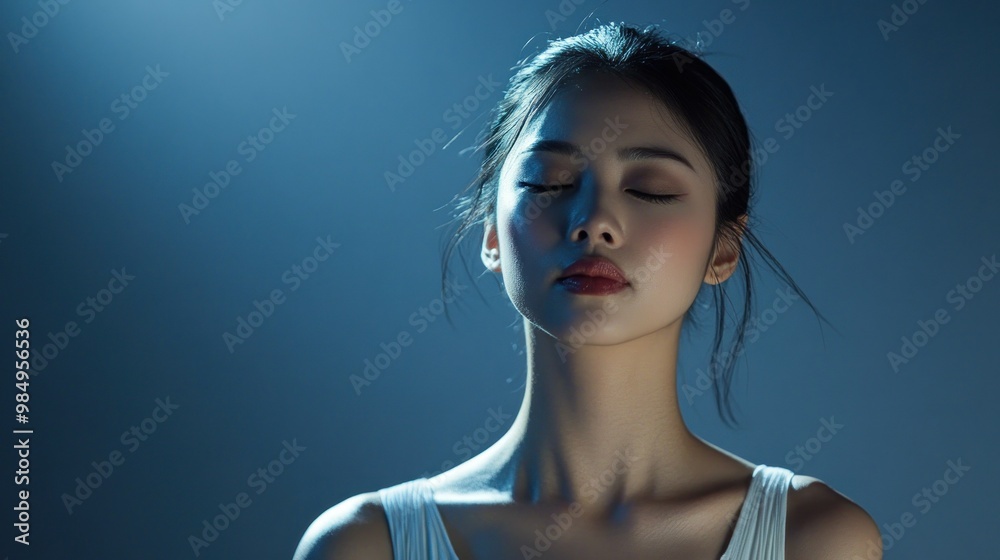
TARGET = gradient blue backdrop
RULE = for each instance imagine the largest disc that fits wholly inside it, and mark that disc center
(224, 72)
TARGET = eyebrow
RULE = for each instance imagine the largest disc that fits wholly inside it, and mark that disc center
(633, 153)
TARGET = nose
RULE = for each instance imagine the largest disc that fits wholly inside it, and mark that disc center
(594, 221)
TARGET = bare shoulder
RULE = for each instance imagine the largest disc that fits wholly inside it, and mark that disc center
(354, 529)
(823, 524)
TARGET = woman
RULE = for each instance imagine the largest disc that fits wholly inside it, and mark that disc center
(616, 183)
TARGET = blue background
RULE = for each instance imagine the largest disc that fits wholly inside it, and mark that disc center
(322, 176)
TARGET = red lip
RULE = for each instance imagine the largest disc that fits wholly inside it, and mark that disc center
(594, 267)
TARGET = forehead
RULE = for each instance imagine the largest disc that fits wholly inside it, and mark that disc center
(606, 111)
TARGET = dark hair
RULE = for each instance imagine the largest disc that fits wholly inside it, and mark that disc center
(687, 86)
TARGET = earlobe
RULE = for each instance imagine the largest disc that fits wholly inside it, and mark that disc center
(726, 257)
(722, 267)
(491, 248)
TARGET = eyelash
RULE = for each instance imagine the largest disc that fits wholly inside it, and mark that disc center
(655, 198)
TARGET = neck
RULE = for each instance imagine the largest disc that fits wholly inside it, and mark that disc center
(599, 425)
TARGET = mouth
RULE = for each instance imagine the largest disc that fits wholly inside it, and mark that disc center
(593, 275)
(594, 268)
(591, 285)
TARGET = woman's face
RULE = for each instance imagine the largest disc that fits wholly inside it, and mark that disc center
(662, 248)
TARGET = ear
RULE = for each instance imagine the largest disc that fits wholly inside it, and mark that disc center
(491, 248)
(725, 257)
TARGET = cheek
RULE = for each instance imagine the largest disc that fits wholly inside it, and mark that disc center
(687, 239)
(528, 227)
(521, 245)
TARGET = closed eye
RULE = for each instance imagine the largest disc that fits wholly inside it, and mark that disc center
(656, 198)
(541, 188)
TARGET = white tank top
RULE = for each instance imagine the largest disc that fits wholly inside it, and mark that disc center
(418, 532)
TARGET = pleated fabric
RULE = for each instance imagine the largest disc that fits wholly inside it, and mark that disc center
(415, 523)
(760, 529)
